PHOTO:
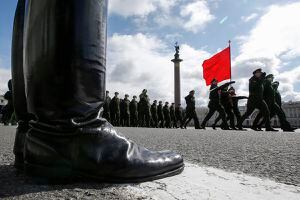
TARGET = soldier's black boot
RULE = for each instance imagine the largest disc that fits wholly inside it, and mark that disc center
(65, 78)
(19, 98)
(213, 126)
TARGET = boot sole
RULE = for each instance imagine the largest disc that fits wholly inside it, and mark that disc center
(46, 175)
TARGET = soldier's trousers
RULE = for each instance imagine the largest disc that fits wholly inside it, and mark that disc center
(188, 117)
(115, 118)
(106, 115)
(134, 119)
(274, 110)
(213, 107)
(178, 121)
(145, 118)
(154, 121)
(252, 104)
(237, 113)
(230, 116)
(167, 122)
(161, 122)
(126, 120)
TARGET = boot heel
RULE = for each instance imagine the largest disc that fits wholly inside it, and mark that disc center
(46, 175)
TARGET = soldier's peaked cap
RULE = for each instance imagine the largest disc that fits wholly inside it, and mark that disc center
(257, 70)
(275, 83)
(270, 76)
(214, 80)
(116, 92)
(192, 91)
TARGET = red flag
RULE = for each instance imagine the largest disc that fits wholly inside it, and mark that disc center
(218, 67)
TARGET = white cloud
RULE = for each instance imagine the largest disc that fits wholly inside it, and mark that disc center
(250, 17)
(128, 8)
(198, 15)
(273, 42)
(139, 8)
(5, 75)
(143, 61)
(193, 15)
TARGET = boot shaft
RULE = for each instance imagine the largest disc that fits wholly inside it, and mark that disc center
(65, 58)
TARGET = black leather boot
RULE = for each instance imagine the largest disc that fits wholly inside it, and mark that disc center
(19, 98)
(97, 151)
(18, 150)
(65, 77)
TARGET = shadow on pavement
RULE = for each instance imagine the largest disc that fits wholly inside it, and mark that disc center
(14, 184)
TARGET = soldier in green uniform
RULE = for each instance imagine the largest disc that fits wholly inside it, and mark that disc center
(190, 112)
(106, 109)
(173, 116)
(235, 102)
(269, 97)
(160, 115)
(215, 105)
(134, 112)
(122, 112)
(154, 115)
(8, 109)
(256, 99)
(167, 117)
(115, 110)
(179, 115)
(145, 115)
(126, 111)
(227, 103)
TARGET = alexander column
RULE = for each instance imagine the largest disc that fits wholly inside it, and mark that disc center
(177, 61)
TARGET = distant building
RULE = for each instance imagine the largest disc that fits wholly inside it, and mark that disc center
(291, 109)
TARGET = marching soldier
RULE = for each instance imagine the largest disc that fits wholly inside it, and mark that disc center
(134, 112)
(160, 115)
(145, 115)
(8, 109)
(190, 112)
(122, 112)
(235, 102)
(106, 109)
(154, 114)
(126, 111)
(173, 116)
(115, 110)
(256, 99)
(179, 115)
(274, 108)
(215, 105)
(167, 116)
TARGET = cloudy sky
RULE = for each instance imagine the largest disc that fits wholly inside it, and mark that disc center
(142, 33)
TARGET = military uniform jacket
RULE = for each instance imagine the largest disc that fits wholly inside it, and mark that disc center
(190, 103)
(133, 107)
(269, 92)
(126, 106)
(160, 113)
(144, 101)
(115, 105)
(172, 112)
(178, 112)
(256, 88)
(154, 110)
(107, 104)
(166, 111)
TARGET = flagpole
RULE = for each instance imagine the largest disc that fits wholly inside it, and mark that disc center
(229, 42)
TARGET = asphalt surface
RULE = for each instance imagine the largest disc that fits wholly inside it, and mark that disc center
(275, 156)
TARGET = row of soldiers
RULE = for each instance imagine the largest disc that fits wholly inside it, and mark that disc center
(134, 113)
(263, 95)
